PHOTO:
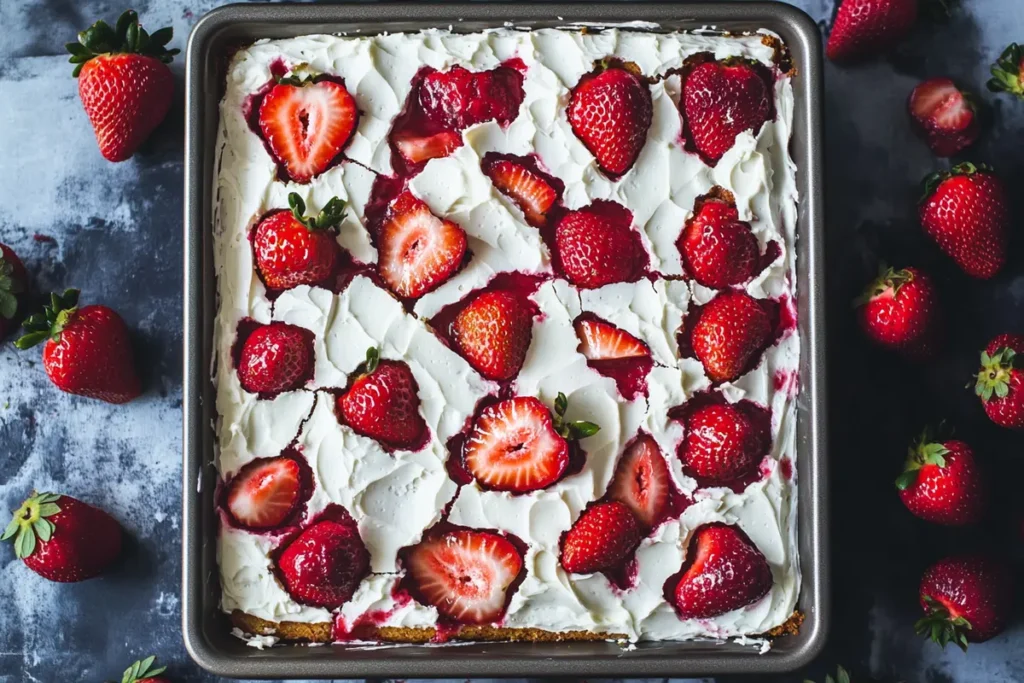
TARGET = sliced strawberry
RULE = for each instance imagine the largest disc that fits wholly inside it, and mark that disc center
(603, 341)
(265, 492)
(416, 149)
(944, 115)
(641, 480)
(459, 98)
(418, 250)
(604, 537)
(727, 573)
(324, 565)
(493, 333)
(531, 193)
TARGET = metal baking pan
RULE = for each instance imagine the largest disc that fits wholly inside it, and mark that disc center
(207, 631)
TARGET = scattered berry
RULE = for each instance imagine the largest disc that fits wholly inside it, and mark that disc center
(13, 284)
(945, 116)
(1000, 382)
(900, 311)
(941, 482)
(965, 599)
(143, 671)
(1008, 72)
(863, 28)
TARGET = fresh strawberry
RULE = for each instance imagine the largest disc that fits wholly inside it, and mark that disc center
(719, 250)
(493, 333)
(727, 573)
(900, 311)
(459, 98)
(941, 482)
(143, 671)
(603, 341)
(293, 249)
(324, 564)
(533, 194)
(63, 539)
(1008, 72)
(13, 284)
(1000, 382)
(945, 116)
(123, 81)
(275, 358)
(723, 442)
(418, 250)
(306, 123)
(86, 351)
(730, 332)
(864, 28)
(965, 599)
(597, 245)
(265, 492)
(604, 537)
(966, 211)
(641, 481)
(610, 111)
(416, 149)
(465, 574)
(721, 100)
(382, 403)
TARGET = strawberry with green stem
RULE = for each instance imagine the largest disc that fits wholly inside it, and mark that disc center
(1008, 72)
(143, 671)
(966, 599)
(1000, 382)
(941, 482)
(293, 249)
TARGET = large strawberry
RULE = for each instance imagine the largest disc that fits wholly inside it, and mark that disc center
(610, 111)
(86, 351)
(533, 193)
(718, 249)
(945, 116)
(1008, 72)
(900, 311)
(324, 564)
(143, 671)
(123, 81)
(293, 249)
(265, 493)
(382, 403)
(275, 358)
(63, 539)
(13, 284)
(864, 28)
(723, 441)
(597, 245)
(727, 572)
(721, 100)
(493, 333)
(942, 483)
(642, 481)
(731, 330)
(604, 537)
(1000, 382)
(966, 598)
(966, 211)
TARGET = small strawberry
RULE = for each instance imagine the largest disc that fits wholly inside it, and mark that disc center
(265, 493)
(610, 111)
(459, 98)
(324, 564)
(597, 245)
(604, 537)
(382, 403)
(965, 599)
(1008, 72)
(900, 311)
(143, 671)
(945, 116)
(719, 250)
(1000, 382)
(723, 442)
(727, 572)
(86, 351)
(721, 100)
(603, 341)
(864, 28)
(418, 250)
(276, 358)
(13, 284)
(293, 249)
(493, 333)
(63, 539)
(966, 211)
(642, 481)
(123, 81)
(416, 149)
(465, 574)
(532, 193)
(731, 331)
(941, 482)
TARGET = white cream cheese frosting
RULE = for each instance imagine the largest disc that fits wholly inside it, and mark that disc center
(395, 496)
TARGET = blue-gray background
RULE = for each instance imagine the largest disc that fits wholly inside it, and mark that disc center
(114, 230)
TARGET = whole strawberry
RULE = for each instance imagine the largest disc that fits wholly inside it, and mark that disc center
(63, 539)
(324, 564)
(965, 599)
(966, 211)
(900, 311)
(724, 441)
(604, 536)
(493, 333)
(941, 482)
(726, 572)
(13, 284)
(293, 249)
(730, 333)
(382, 403)
(864, 28)
(718, 249)
(1008, 72)
(944, 115)
(143, 671)
(123, 81)
(596, 245)
(86, 351)
(721, 100)
(275, 358)
(1000, 382)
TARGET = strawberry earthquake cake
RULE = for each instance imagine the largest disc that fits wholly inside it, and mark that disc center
(506, 343)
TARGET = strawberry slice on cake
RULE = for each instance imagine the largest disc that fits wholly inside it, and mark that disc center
(265, 493)
(528, 189)
(324, 564)
(641, 481)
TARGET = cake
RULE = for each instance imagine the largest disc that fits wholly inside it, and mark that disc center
(505, 344)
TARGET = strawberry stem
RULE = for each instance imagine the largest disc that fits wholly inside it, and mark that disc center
(30, 521)
(887, 279)
(941, 627)
(127, 37)
(372, 359)
(329, 217)
(10, 287)
(51, 322)
(994, 378)
(1008, 72)
(579, 429)
(142, 670)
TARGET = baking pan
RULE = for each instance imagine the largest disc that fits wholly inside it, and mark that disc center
(207, 631)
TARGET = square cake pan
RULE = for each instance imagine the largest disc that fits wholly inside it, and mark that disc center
(207, 631)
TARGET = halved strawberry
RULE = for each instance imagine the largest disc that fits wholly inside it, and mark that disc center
(727, 572)
(416, 149)
(493, 333)
(597, 245)
(604, 537)
(418, 250)
(944, 115)
(307, 123)
(641, 480)
(265, 492)
(324, 565)
(531, 193)
(465, 574)
(275, 358)
(603, 341)
(383, 403)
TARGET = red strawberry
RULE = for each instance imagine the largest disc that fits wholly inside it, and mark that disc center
(533, 194)
(727, 573)
(730, 332)
(719, 250)
(945, 116)
(641, 481)
(416, 149)
(63, 539)
(603, 341)
(723, 442)
(1000, 382)
(265, 492)
(1008, 72)
(459, 98)
(293, 249)
(86, 351)
(597, 246)
(900, 311)
(720, 101)
(965, 599)
(275, 358)
(493, 333)
(13, 283)
(143, 671)
(324, 564)
(966, 211)
(123, 82)
(866, 27)
(465, 574)
(941, 482)
(306, 123)
(382, 403)
(610, 112)
(604, 537)
(418, 250)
